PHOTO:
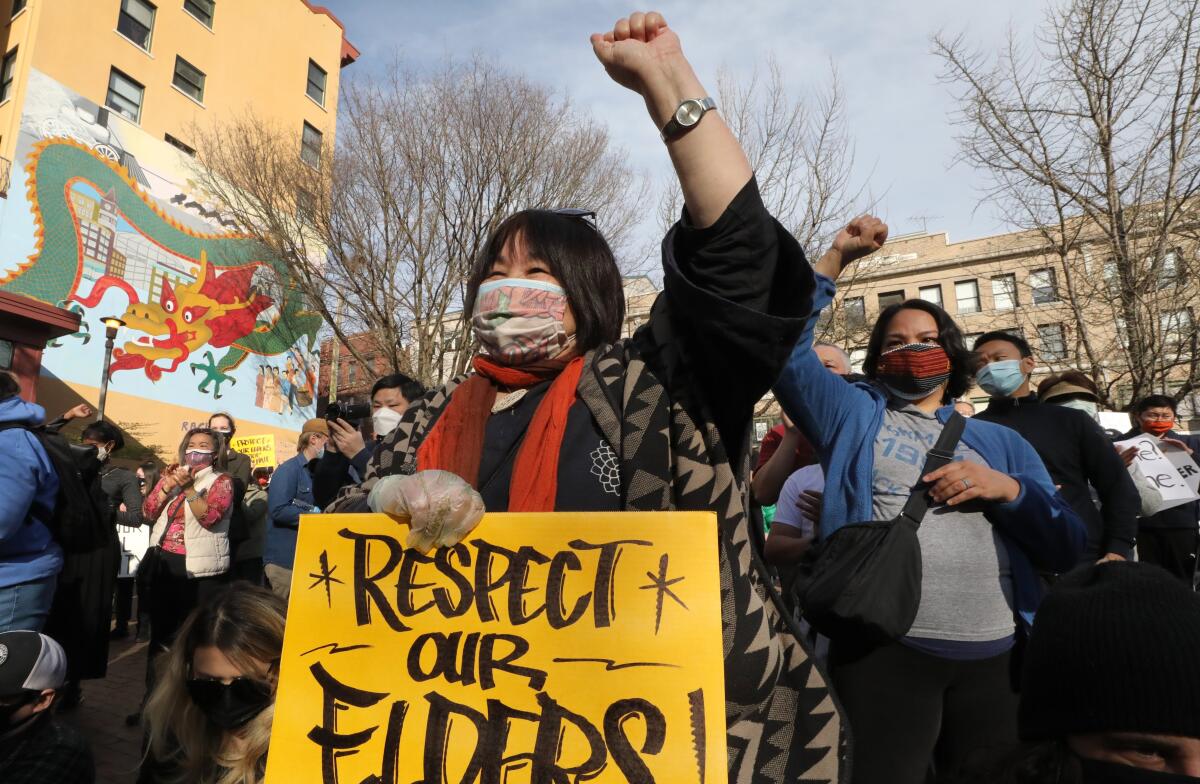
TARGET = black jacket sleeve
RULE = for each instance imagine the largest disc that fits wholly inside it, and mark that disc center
(131, 496)
(736, 295)
(1119, 500)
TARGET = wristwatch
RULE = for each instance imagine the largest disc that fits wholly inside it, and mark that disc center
(686, 116)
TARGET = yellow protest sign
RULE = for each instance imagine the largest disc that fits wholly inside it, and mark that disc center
(260, 449)
(544, 648)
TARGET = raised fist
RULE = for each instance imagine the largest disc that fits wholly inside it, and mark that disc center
(639, 50)
(862, 236)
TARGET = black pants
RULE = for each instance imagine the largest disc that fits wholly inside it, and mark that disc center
(248, 569)
(1174, 549)
(908, 710)
(124, 601)
(172, 596)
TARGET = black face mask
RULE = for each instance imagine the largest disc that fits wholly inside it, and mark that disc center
(1097, 772)
(230, 706)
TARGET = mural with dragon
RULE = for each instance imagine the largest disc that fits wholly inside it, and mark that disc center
(198, 298)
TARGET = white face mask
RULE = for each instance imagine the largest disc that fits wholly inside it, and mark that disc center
(101, 453)
(384, 421)
(1089, 407)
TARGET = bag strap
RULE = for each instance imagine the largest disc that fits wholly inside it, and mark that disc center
(941, 454)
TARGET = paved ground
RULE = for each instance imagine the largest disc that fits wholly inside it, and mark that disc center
(106, 703)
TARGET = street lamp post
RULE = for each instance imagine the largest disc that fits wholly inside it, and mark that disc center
(111, 324)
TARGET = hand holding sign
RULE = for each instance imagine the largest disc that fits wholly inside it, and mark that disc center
(441, 508)
(1168, 468)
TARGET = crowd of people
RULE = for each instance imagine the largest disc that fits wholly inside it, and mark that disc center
(1028, 643)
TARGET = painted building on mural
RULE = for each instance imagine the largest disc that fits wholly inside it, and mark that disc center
(100, 101)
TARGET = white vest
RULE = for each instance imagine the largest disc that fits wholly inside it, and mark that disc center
(207, 548)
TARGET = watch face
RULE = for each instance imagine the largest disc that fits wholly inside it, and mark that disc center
(689, 113)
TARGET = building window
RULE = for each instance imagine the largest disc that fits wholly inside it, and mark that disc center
(970, 338)
(124, 96)
(136, 21)
(305, 205)
(202, 10)
(189, 79)
(1168, 271)
(889, 298)
(931, 294)
(856, 312)
(18, 6)
(1176, 327)
(966, 294)
(1054, 346)
(1004, 292)
(1044, 285)
(310, 146)
(171, 140)
(316, 82)
(7, 71)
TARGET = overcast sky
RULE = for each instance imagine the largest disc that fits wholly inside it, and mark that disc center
(898, 111)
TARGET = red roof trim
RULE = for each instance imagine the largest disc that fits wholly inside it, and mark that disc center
(349, 52)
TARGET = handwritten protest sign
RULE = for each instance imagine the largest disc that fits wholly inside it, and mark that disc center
(544, 648)
(260, 449)
(1167, 468)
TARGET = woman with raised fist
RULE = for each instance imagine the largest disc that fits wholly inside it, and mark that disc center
(560, 413)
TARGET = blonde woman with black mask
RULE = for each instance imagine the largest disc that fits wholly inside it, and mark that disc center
(209, 717)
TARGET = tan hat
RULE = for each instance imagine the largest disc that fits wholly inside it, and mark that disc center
(1064, 388)
(315, 426)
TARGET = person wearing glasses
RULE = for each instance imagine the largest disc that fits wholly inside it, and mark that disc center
(560, 413)
(1169, 537)
(209, 717)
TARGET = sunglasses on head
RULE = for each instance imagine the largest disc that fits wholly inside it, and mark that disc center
(587, 216)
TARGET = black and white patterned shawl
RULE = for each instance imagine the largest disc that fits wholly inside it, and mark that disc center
(783, 725)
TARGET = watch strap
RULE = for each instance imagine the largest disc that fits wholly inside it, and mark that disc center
(673, 129)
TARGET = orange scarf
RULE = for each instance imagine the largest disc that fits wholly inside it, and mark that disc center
(455, 443)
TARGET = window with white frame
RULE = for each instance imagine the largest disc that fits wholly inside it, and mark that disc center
(201, 10)
(1053, 341)
(124, 95)
(931, 294)
(1044, 285)
(188, 79)
(316, 83)
(136, 22)
(966, 295)
(1004, 292)
(310, 146)
(8, 70)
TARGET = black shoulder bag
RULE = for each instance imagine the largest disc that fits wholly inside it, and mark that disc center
(865, 584)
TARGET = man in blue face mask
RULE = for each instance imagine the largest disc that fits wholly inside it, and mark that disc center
(1073, 447)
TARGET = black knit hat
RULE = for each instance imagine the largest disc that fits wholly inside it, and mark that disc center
(1115, 648)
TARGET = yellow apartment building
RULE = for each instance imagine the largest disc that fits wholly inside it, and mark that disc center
(101, 104)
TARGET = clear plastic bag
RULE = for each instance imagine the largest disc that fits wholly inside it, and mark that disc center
(441, 507)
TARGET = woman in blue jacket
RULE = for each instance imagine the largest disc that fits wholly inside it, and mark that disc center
(943, 693)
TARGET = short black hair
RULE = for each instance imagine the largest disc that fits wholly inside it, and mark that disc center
(409, 387)
(232, 421)
(581, 260)
(104, 432)
(950, 338)
(262, 472)
(1021, 343)
(9, 386)
(1154, 401)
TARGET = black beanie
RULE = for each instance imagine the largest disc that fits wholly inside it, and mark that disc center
(1115, 648)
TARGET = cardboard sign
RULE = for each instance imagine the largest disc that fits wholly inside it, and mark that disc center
(545, 647)
(260, 449)
(1167, 468)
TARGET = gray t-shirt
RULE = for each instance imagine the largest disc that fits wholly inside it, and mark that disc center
(966, 580)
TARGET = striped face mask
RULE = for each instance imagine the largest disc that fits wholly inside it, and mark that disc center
(913, 371)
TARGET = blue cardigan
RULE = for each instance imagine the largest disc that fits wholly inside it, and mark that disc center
(1039, 529)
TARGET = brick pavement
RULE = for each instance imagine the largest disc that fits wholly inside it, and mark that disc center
(106, 703)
